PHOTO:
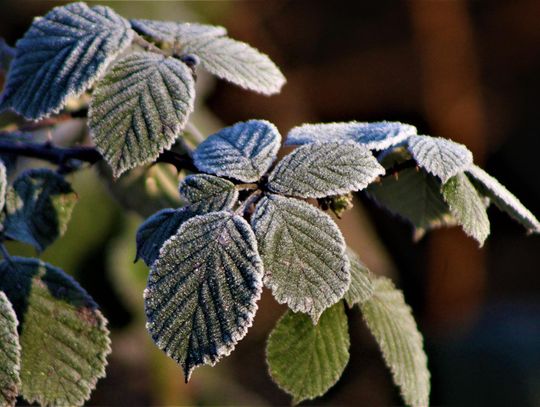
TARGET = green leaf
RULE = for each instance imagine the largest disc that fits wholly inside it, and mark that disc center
(375, 136)
(416, 197)
(207, 193)
(442, 157)
(390, 321)
(3, 185)
(156, 230)
(467, 207)
(10, 353)
(63, 336)
(244, 151)
(38, 208)
(61, 56)
(320, 170)
(139, 108)
(202, 290)
(361, 287)
(503, 198)
(237, 62)
(176, 33)
(303, 253)
(306, 360)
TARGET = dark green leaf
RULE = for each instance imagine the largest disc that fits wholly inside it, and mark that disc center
(303, 253)
(391, 322)
(139, 108)
(61, 56)
(10, 354)
(38, 208)
(304, 359)
(63, 336)
(202, 290)
(361, 287)
(207, 193)
(244, 151)
(467, 207)
(324, 169)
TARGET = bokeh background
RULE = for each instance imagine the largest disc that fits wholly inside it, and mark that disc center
(465, 70)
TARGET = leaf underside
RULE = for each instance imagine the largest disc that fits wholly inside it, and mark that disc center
(467, 207)
(321, 170)
(176, 33)
(139, 108)
(38, 208)
(305, 360)
(10, 353)
(61, 55)
(243, 151)
(207, 193)
(303, 253)
(416, 197)
(63, 336)
(391, 322)
(502, 198)
(202, 290)
(375, 136)
(441, 157)
(237, 62)
(361, 287)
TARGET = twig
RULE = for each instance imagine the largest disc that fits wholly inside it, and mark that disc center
(147, 45)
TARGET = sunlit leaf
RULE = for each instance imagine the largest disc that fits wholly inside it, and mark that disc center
(305, 360)
(202, 290)
(361, 287)
(63, 336)
(416, 197)
(156, 230)
(207, 193)
(303, 253)
(38, 208)
(236, 62)
(391, 322)
(176, 33)
(61, 55)
(320, 170)
(10, 353)
(467, 207)
(244, 151)
(442, 157)
(375, 136)
(139, 108)
(503, 198)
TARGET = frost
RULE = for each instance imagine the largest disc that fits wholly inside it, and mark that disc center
(207, 193)
(176, 33)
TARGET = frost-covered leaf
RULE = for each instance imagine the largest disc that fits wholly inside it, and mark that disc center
(503, 198)
(361, 287)
(176, 33)
(63, 336)
(236, 62)
(391, 322)
(303, 253)
(10, 353)
(156, 230)
(139, 108)
(207, 193)
(415, 196)
(38, 208)
(467, 207)
(305, 360)
(243, 151)
(202, 290)
(3, 185)
(61, 55)
(442, 157)
(320, 170)
(375, 136)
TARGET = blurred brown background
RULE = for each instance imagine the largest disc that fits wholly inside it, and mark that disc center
(465, 70)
